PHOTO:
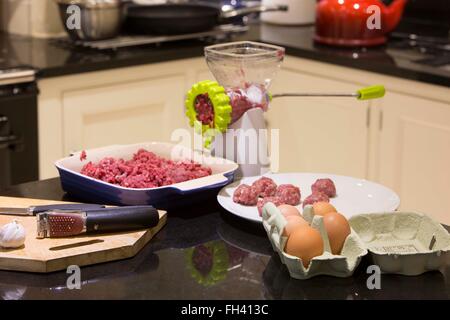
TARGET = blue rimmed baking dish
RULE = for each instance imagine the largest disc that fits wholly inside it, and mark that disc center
(168, 197)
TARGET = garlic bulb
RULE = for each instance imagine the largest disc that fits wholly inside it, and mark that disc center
(12, 235)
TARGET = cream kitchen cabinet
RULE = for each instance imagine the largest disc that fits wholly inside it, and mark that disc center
(319, 134)
(119, 106)
(414, 152)
(146, 110)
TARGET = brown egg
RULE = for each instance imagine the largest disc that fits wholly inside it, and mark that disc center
(305, 243)
(338, 230)
(288, 210)
(322, 208)
(293, 222)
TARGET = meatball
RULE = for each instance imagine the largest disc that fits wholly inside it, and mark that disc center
(315, 197)
(262, 201)
(245, 195)
(289, 194)
(325, 186)
(265, 187)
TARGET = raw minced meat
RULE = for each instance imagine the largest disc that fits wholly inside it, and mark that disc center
(289, 194)
(325, 186)
(315, 197)
(243, 99)
(144, 170)
(265, 187)
(204, 109)
(245, 195)
(262, 201)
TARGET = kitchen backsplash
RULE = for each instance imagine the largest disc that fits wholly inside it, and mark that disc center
(437, 11)
(37, 18)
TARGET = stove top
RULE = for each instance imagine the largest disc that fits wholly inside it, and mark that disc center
(430, 51)
(220, 33)
(425, 42)
(11, 76)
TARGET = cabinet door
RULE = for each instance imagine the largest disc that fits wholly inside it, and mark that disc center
(414, 157)
(127, 112)
(203, 74)
(319, 134)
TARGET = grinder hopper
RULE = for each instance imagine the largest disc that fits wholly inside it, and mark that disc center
(237, 101)
(236, 64)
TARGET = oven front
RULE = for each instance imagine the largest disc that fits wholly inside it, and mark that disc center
(18, 129)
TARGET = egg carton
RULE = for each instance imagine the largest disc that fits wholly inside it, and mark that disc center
(342, 265)
(406, 243)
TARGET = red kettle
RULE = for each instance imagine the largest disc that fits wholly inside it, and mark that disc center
(356, 22)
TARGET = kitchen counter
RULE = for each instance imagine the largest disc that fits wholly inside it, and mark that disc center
(177, 264)
(53, 58)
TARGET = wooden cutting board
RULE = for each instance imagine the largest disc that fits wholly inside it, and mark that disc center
(48, 255)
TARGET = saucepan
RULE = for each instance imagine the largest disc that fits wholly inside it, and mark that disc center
(90, 20)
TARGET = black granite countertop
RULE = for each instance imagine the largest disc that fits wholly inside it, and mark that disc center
(166, 269)
(56, 58)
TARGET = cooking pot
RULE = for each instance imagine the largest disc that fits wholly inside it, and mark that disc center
(356, 22)
(98, 19)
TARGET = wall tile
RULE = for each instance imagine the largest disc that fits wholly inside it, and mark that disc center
(16, 16)
(45, 20)
(38, 18)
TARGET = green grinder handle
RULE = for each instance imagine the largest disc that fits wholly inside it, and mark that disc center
(372, 92)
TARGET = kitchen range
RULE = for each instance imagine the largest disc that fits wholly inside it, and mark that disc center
(187, 150)
(18, 125)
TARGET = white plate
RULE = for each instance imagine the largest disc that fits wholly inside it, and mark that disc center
(354, 196)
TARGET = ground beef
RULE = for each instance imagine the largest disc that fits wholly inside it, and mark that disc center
(325, 186)
(144, 170)
(315, 197)
(246, 98)
(245, 195)
(265, 187)
(262, 201)
(204, 109)
(289, 194)
(83, 155)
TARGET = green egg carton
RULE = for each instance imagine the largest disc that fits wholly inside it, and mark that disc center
(406, 243)
(342, 265)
